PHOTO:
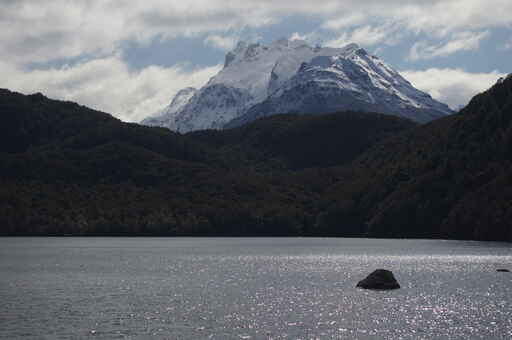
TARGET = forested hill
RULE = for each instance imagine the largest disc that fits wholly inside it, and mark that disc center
(30, 123)
(295, 142)
(451, 178)
(66, 169)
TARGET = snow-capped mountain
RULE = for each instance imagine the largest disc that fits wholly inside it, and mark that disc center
(291, 76)
(353, 81)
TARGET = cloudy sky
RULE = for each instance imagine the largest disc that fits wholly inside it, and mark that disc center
(130, 57)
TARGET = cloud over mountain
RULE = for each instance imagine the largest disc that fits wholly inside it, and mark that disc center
(44, 42)
(454, 87)
(108, 84)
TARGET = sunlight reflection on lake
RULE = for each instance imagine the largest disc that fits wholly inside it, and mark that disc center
(251, 288)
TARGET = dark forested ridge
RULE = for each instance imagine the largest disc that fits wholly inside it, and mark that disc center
(66, 169)
(295, 142)
(451, 178)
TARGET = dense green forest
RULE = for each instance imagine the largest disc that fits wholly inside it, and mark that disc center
(67, 169)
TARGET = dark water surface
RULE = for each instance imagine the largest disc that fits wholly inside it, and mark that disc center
(251, 288)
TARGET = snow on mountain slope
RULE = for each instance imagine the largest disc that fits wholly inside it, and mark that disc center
(166, 117)
(291, 76)
(289, 63)
(212, 107)
(351, 81)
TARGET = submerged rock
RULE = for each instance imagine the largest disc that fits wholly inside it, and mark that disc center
(379, 279)
(503, 270)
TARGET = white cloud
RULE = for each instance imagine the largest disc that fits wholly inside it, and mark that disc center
(108, 85)
(341, 41)
(454, 87)
(221, 42)
(366, 36)
(313, 38)
(343, 22)
(461, 41)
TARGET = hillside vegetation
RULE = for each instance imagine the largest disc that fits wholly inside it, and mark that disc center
(66, 169)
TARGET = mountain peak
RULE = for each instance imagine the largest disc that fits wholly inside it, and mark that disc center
(248, 52)
(231, 55)
(292, 76)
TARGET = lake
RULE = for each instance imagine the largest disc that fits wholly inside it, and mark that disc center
(251, 288)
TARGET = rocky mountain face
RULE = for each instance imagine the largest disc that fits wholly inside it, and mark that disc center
(293, 77)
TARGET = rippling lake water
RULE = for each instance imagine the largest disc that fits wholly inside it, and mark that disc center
(251, 288)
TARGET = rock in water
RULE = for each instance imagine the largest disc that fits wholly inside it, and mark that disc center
(379, 279)
(503, 270)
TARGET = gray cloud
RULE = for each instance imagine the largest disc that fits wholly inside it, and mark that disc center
(461, 41)
(368, 35)
(70, 28)
(221, 42)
